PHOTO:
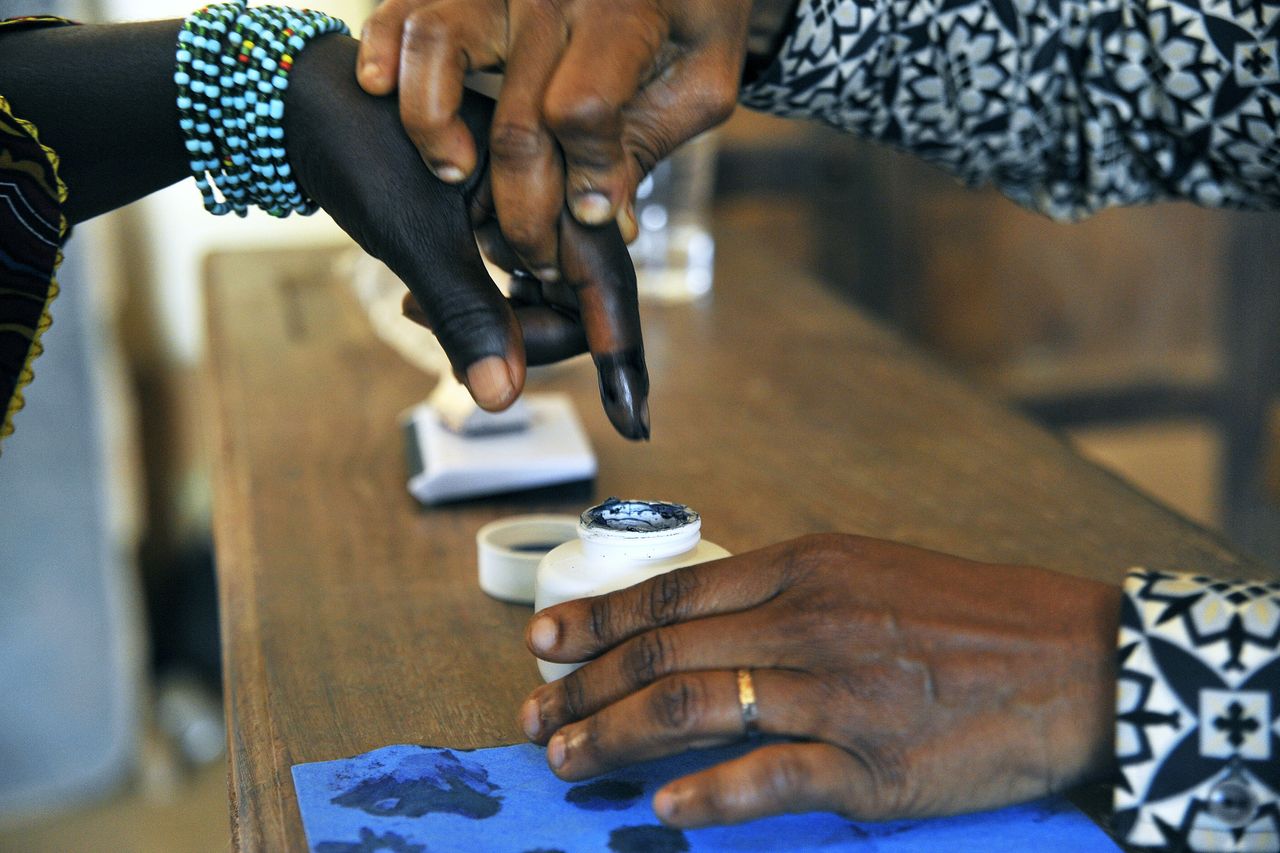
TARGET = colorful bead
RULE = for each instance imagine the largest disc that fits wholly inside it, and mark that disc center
(233, 67)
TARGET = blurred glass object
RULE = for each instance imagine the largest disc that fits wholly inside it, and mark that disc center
(675, 252)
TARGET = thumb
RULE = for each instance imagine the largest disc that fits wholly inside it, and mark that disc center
(356, 161)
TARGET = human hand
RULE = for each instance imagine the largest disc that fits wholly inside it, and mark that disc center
(613, 87)
(351, 155)
(915, 683)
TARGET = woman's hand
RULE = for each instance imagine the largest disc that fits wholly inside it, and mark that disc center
(103, 97)
(914, 683)
(352, 156)
(595, 93)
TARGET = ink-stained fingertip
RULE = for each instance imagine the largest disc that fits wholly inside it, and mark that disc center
(624, 391)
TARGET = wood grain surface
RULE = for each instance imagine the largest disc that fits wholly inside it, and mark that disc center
(351, 616)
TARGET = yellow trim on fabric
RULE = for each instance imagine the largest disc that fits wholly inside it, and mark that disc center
(27, 374)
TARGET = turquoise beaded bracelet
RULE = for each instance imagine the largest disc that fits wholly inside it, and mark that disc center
(233, 67)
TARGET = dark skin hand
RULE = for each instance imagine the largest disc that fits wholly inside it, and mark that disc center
(595, 92)
(908, 683)
(103, 97)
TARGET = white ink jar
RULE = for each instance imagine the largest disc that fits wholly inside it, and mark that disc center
(620, 543)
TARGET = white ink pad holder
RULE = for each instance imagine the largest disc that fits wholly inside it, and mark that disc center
(508, 552)
(456, 450)
(619, 544)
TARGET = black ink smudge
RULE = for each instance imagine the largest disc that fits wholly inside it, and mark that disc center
(647, 839)
(370, 843)
(605, 795)
(437, 783)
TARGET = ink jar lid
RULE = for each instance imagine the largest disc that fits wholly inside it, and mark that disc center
(508, 552)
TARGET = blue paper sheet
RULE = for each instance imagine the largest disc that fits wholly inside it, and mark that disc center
(416, 799)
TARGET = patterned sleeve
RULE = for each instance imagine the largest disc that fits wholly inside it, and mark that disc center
(1198, 714)
(32, 231)
(1068, 106)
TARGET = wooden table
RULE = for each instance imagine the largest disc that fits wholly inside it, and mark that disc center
(351, 617)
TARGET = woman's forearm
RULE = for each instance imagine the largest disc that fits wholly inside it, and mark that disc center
(102, 97)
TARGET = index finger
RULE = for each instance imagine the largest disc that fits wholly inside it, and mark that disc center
(596, 264)
(583, 628)
(609, 57)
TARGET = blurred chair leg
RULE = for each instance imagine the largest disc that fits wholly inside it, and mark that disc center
(1251, 338)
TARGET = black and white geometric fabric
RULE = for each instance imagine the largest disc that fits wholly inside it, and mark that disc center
(1068, 106)
(1198, 713)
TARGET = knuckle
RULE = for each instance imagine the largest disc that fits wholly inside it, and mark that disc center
(574, 695)
(526, 238)
(810, 553)
(679, 702)
(378, 30)
(785, 775)
(427, 28)
(420, 122)
(885, 789)
(544, 8)
(514, 141)
(669, 597)
(599, 622)
(645, 155)
(461, 323)
(587, 113)
(719, 99)
(649, 656)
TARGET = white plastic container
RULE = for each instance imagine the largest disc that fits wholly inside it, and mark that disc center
(620, 543)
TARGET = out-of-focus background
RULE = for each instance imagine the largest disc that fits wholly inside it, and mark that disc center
(1144, 335)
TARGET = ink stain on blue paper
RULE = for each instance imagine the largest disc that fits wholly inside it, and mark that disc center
(420, 799)
(371, 843)
(652, 838)
(435, 781)
(605, 795)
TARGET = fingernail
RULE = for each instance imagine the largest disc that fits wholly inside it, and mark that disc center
(592, 208)
(624, 390)
(449, 173)
(664, 804)
(542, 633)
(548, 274)
(490, 383)
(555, 752)
(627, 225)
(531, 718)
(369, 69)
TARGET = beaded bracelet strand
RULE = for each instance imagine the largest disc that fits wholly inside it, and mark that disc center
(232, 72)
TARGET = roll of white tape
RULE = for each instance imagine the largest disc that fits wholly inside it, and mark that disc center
(508, 552)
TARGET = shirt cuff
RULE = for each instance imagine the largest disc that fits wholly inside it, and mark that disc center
(1198, 713)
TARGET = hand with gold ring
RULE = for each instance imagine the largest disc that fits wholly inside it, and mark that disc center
(911, 683)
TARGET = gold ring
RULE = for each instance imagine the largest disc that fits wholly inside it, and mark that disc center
(747, 702)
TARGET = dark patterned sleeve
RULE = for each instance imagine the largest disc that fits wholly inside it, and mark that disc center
(32, 231)
(1198, 714)
(1068, 106)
